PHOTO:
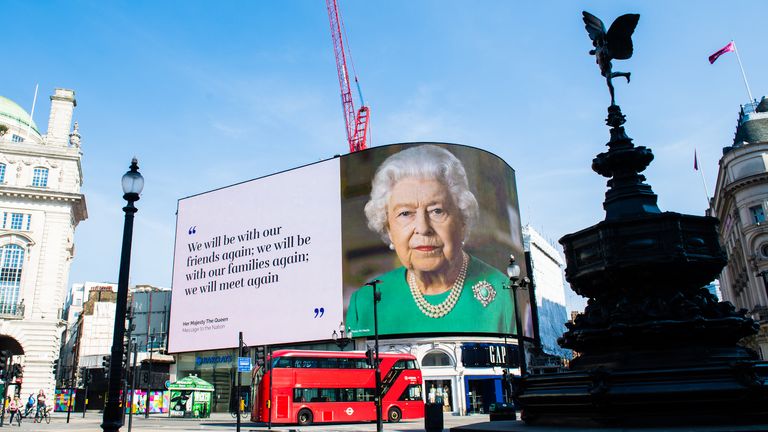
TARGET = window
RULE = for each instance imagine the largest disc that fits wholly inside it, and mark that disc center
(323, 363)
(2, 173)
(764, 250)
(333, 394)
(11, 261)
(17, 221)
(411, 393)
(436, 358)
(16, 138)
(405, 364)
(40, 177)
(758, 214)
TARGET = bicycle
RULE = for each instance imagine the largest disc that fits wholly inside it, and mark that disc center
(43, 414)
(243, 414)
(17, 415)
(28, 410)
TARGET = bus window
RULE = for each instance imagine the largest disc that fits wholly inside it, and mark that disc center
(328, 363)
(405, 364)
(364, 395)
(347, 395)
(412, 393)
(305, 362)
(329, 395)
(360, 364)
(304, 395)
(282, 362)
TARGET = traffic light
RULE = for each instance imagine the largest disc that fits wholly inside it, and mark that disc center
(56, 367)
(17, 371)
(4, 364)
(244, 351)
(105, 361)
(369, 357)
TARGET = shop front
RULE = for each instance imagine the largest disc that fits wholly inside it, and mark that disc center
(215, 367)
(482, 381)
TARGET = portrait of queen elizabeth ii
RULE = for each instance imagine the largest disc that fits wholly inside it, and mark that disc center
(422, 208)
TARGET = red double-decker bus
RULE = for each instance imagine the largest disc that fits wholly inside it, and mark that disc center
(335, 386)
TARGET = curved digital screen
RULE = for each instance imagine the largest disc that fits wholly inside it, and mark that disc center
(288, 257)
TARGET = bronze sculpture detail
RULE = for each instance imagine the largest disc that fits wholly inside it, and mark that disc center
(616, 44)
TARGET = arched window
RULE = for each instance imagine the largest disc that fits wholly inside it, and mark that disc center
(2, 173)
(11, 261)
(436, 358)
(40, 177)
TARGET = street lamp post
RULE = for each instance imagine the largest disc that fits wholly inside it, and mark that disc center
(133, 183)
(340, 339)
(515, 283)
(377, 373)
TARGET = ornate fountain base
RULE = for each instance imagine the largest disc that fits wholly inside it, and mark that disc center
(656, 348)
(643, 389)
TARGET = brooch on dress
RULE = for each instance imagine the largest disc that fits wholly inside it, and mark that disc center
(484, 292)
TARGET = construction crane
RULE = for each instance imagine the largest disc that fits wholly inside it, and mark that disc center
(356, 121)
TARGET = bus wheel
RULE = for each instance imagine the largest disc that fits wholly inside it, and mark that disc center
(394, 415)
(304, 417)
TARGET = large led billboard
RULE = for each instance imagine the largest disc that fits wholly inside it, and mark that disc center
(287, 257)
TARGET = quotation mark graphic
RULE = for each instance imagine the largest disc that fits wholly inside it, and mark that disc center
(319, 311)
(192, 230)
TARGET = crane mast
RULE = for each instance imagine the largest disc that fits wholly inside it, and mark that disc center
(356, 121)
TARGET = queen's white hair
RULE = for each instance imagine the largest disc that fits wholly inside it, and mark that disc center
(425, 162)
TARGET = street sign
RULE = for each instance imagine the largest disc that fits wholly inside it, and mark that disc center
(244, 364)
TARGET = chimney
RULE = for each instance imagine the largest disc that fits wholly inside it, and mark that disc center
(59, 122)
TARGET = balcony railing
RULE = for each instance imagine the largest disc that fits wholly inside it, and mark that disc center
(12, 310)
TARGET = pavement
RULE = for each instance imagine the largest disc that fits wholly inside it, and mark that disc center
(223, 422)
(219, 422)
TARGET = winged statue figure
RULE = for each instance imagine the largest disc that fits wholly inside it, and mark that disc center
(615, 44)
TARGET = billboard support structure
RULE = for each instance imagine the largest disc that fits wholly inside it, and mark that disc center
(376, 299)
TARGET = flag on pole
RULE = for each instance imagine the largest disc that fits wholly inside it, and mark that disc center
(695, 161)
(728, 48)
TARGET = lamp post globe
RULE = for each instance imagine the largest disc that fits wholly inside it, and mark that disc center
(341, 339)
(513, 270)
(132, 183)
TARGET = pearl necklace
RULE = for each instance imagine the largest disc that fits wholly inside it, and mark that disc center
(442, 309)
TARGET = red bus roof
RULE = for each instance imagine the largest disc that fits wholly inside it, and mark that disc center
(336, 354)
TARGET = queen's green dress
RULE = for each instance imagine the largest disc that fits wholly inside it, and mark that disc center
(484, 306)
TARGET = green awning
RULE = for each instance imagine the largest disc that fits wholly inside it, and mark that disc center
(192, 382)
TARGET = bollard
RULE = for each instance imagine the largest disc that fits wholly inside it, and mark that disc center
(433, 417)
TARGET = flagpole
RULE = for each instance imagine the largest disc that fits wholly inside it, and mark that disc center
(32, 113)
(741, 66)
(703, 180)
(706, 191)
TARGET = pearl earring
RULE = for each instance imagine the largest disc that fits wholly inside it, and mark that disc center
(391, 246)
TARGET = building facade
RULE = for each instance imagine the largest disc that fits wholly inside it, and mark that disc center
(547, 267)
(90, 333)
(741, 203)
(40, 206)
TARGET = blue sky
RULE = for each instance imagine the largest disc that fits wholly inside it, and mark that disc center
(208, 94)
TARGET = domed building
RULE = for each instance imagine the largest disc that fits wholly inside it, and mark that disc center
(40, 206)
